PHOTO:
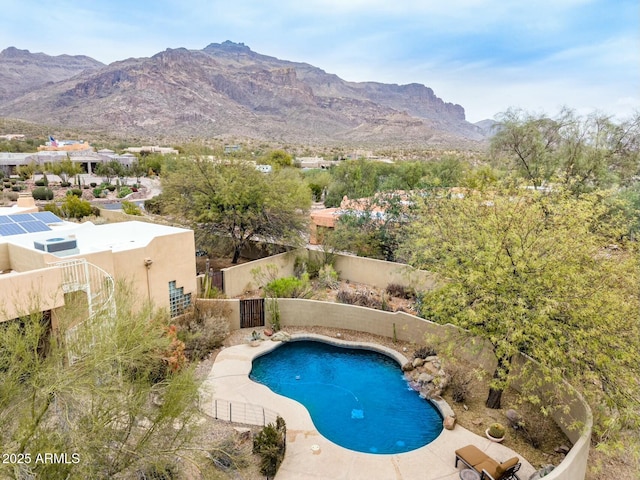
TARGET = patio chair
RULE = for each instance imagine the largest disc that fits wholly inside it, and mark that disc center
(487, 467)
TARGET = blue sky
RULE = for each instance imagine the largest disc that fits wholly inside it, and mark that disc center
(486, 55)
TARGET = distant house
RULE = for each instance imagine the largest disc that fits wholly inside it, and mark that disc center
(326, 219)
(54, 145)
(314, 162)
(232, 148)
(87, 158)
(152, 149)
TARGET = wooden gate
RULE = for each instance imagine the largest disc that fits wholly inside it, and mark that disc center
(217, 280)
(252, 313)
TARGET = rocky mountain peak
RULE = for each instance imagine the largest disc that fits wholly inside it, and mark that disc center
(13, 52)
(224, 90)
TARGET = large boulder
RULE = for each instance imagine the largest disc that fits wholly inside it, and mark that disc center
(449, 422)
(280, 336)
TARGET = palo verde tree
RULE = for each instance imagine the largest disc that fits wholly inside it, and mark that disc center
(233, 200)
(551, 275)
(65, 169)
(116, 410)
(372, 227)
(584, 153)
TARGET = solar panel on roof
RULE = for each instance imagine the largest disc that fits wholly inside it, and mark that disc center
(7, 229)
(35, 226)
(5, 219)
(21, 217)
(46, 217)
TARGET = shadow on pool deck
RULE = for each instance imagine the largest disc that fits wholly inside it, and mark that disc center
(311, 456)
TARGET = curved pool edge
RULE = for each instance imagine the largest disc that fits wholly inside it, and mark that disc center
(310, 455)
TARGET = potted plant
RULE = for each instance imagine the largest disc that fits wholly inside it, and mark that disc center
(495, 432)
(255, 339)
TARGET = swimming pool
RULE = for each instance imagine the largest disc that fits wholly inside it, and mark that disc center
(357, 398)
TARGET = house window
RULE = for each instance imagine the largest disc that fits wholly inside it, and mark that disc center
(178, 300)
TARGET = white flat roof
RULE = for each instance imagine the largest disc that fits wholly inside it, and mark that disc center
(14, 209)
(96, 238)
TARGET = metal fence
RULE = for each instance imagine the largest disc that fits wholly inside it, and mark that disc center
(238, 412)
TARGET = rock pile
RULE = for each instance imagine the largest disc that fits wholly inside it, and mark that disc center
(425, 375)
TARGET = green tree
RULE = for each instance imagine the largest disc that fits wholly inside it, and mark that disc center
(375, 228)
(583, 152)
(110, 169)
(278, 159)
(110, 408)
(356, 179)
(549, 275)
(65, 169)
(318, 181)
(74, 207)
(137, 170)
(26, 171)
(234, 200)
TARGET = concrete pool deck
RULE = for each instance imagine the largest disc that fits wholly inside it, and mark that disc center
(311, 456)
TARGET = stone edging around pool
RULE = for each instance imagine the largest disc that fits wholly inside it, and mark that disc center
(440, 403)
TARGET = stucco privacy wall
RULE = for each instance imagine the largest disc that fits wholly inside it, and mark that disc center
(377, 273)
(296, 312)
(301, 313)
(239, 279)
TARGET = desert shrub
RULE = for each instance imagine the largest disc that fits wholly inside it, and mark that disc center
(289, 287)
(16, 188)
(328, 277)
(124, 191)
(93, 184)
(97, 192)
(459, 383)
(155, 205)
(39, 183)
(110, 187)
(308, 265)
(11, 196)
(401, 291)
(74, 207)
(42, 193)
(65, 184)
(228, 455)
(424, 352)
(53, 208)
(270, 444)
(362, 298)
(75, 191)
(131, 208)
(203, 329)
(7, 184)
(203, 337)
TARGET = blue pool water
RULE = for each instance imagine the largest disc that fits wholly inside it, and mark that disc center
(356, 398)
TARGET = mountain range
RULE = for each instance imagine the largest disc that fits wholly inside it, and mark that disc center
(225, 91)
